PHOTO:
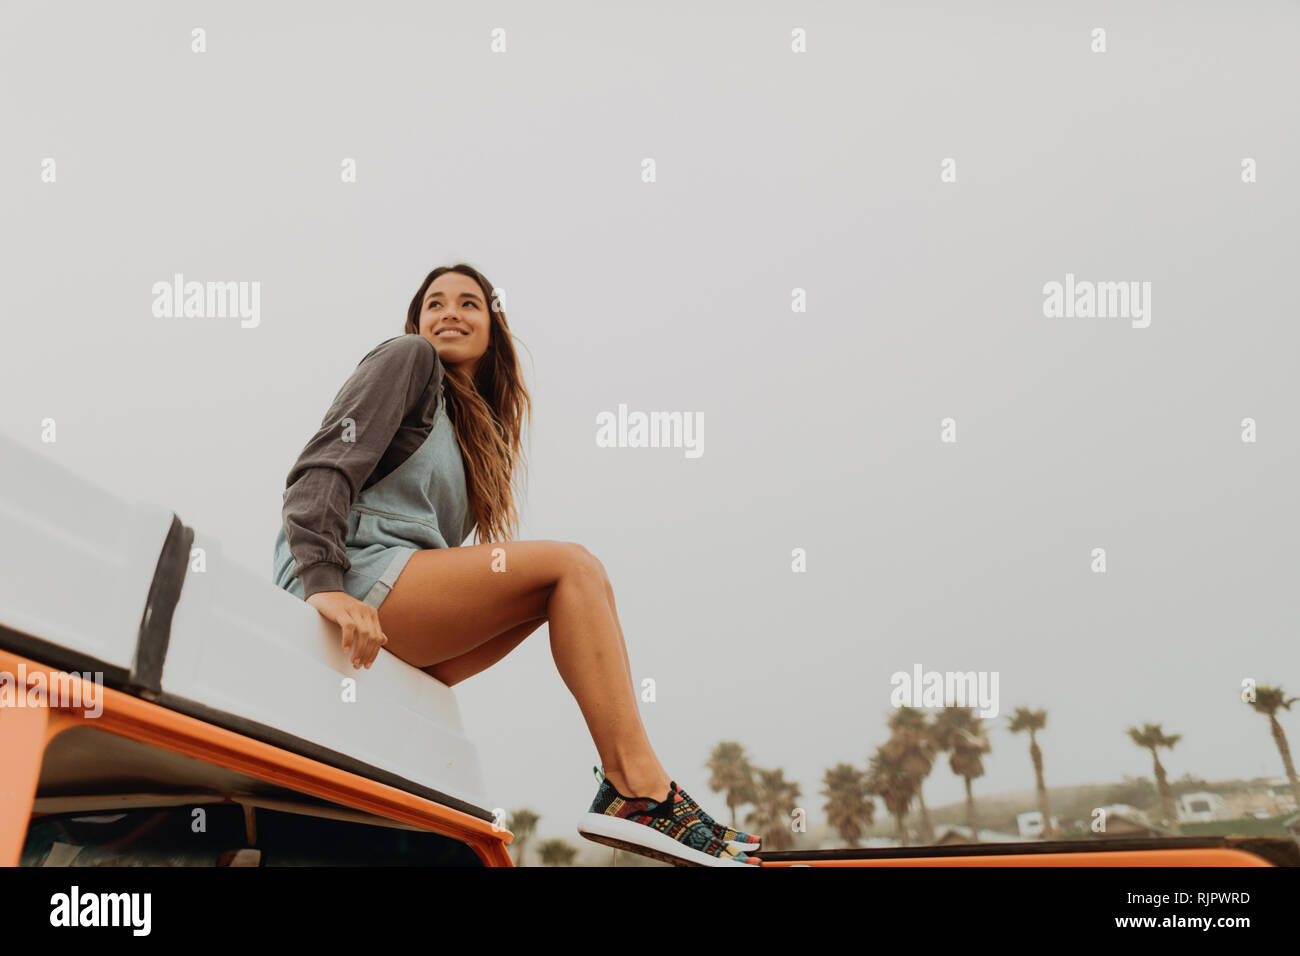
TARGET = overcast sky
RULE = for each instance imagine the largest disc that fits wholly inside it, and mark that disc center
(774, 171)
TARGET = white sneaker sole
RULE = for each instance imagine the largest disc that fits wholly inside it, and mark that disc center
(638, 838)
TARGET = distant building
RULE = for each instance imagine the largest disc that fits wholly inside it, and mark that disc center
(1030, 824)
(1127, 821)
(950, 833)
(1272, 798)
(1201, 807)
(1283, 797)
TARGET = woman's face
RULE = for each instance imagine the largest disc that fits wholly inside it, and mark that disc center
(455, 319)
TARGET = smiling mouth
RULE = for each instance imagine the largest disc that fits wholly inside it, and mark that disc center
(449, 332)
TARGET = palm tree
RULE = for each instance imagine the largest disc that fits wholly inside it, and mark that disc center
(849, 807)
(913, 744)
(556, 852)
(887, 779)
(774, 801)
(1152, 738)
(522, 823)
(1034, 721)
(958, 730)
(1268, 700)
(731, 773)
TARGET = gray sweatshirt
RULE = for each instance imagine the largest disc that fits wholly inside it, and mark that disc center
(392, 397)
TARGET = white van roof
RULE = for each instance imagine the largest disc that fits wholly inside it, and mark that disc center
(92, 582)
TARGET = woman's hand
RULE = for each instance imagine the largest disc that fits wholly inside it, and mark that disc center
(362, 635)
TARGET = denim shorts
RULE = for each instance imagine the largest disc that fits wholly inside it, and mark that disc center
(374, 570)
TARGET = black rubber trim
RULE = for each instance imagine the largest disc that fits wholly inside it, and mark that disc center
(164, 595)
(1279, 851)
(52, 655)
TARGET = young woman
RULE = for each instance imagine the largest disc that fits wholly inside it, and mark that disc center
(421, 446)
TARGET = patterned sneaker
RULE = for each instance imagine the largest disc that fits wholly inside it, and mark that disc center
(657, 829)
(737, 838)
(683, 803)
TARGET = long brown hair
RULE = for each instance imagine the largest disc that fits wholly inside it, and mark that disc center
(488, 414)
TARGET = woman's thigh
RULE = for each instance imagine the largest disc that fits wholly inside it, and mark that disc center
(448, 601)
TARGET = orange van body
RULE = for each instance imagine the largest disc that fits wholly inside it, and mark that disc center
(26, 732)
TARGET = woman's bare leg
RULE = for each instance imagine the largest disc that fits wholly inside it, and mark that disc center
(449, 602)
(456, 669)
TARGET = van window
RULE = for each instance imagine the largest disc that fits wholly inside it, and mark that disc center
(165, 836)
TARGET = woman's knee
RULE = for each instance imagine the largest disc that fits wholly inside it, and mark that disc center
(581, 563)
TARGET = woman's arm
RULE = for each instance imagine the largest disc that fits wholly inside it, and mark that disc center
(392, 381)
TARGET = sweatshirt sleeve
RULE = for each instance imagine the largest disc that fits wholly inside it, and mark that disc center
(387, 385)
